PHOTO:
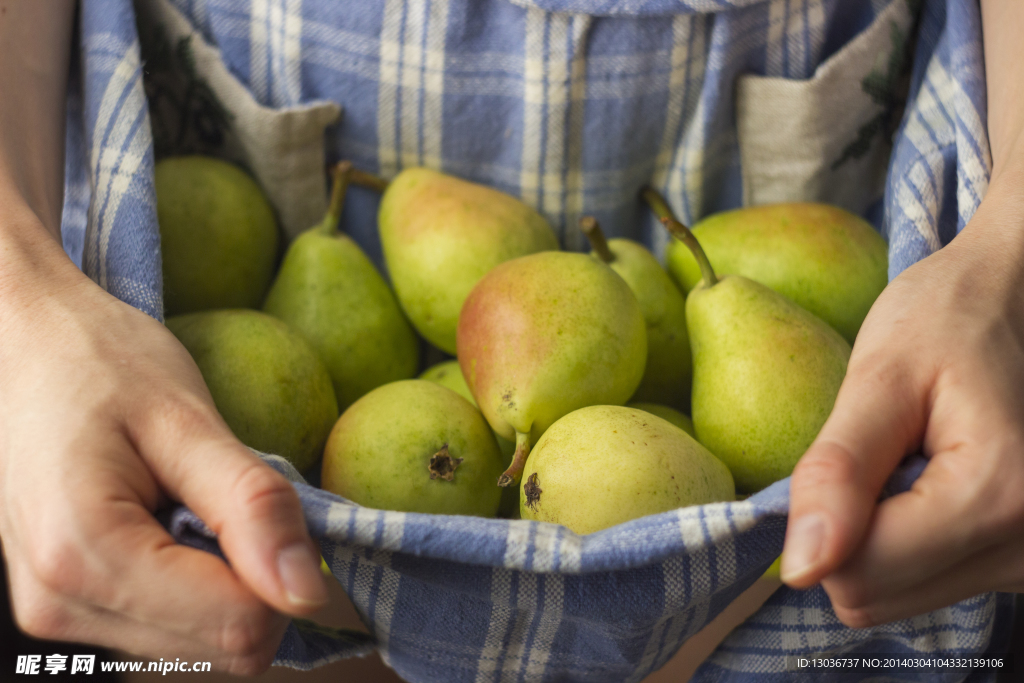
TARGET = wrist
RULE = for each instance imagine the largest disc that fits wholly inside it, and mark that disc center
(986, 260)
(33, 264)
(1008, 165)
(999, 221)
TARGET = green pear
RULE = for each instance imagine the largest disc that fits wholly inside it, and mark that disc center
(830, 261)
(218, 235)
(440, 235)
(545, 334)
(329, 292)
(603, 465)
(668, 414)
(414, 446)
(267, 383)
(448, 374)
(766, 375)
(766, 371)
(667, 375)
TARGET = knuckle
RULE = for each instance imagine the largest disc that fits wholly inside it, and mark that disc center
(247, 641)
(871, 367)
(1006, 504)
(262, 492)
(847, 593)
(1000, 516)
(252, 665)
(982, 482)
(38, 615)
(238, 638)
(875, 364)
(1011, 516)
(858, 617)
(889, 380)
(183, 414)
(44, 623)
(825, 463)
(55, 563)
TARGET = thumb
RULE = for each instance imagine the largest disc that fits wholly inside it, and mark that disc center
(255, 511)
(876, 420)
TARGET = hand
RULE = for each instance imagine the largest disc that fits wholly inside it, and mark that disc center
(103, 417)
(938, 366)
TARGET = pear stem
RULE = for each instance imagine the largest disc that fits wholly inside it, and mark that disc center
(664, 213)
(590, 227)
(361, 178)
(339, 188)
(515, 471)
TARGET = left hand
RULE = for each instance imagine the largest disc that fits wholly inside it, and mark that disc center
(938, 366)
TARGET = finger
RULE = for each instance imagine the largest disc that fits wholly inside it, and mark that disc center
(192, 595)
(92, 563)
(874, 423)
(998, 568)
(253, 509)
(967, 498)
(146, 595)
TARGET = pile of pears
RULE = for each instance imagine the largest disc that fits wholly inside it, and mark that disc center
(568, 376)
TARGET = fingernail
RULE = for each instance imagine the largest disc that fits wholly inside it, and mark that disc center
(299, 568)
(803, 546)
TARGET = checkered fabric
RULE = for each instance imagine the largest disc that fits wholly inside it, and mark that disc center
(572, 105)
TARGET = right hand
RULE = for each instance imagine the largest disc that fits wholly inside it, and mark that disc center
(104, 417)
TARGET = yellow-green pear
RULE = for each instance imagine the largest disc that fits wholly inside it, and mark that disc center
(668, 414)
(766, 375)
(329, 292)
(667, 374)
(604, 465)
(218, 235)
(267, 383)
(545, 334)
(826, 259)
(440, 235)
(449, 374)
(766, 372)
(414, 446)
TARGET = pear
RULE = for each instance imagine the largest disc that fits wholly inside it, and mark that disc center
(414, 446)
(766, 376)
(830, 261)
(603, 465)
(448, 374)
(218, 235)
(440, 235)
(668, 414)
(766, 371)
(545, 334)
(267, 383)
(667, 374)
(329, 292)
